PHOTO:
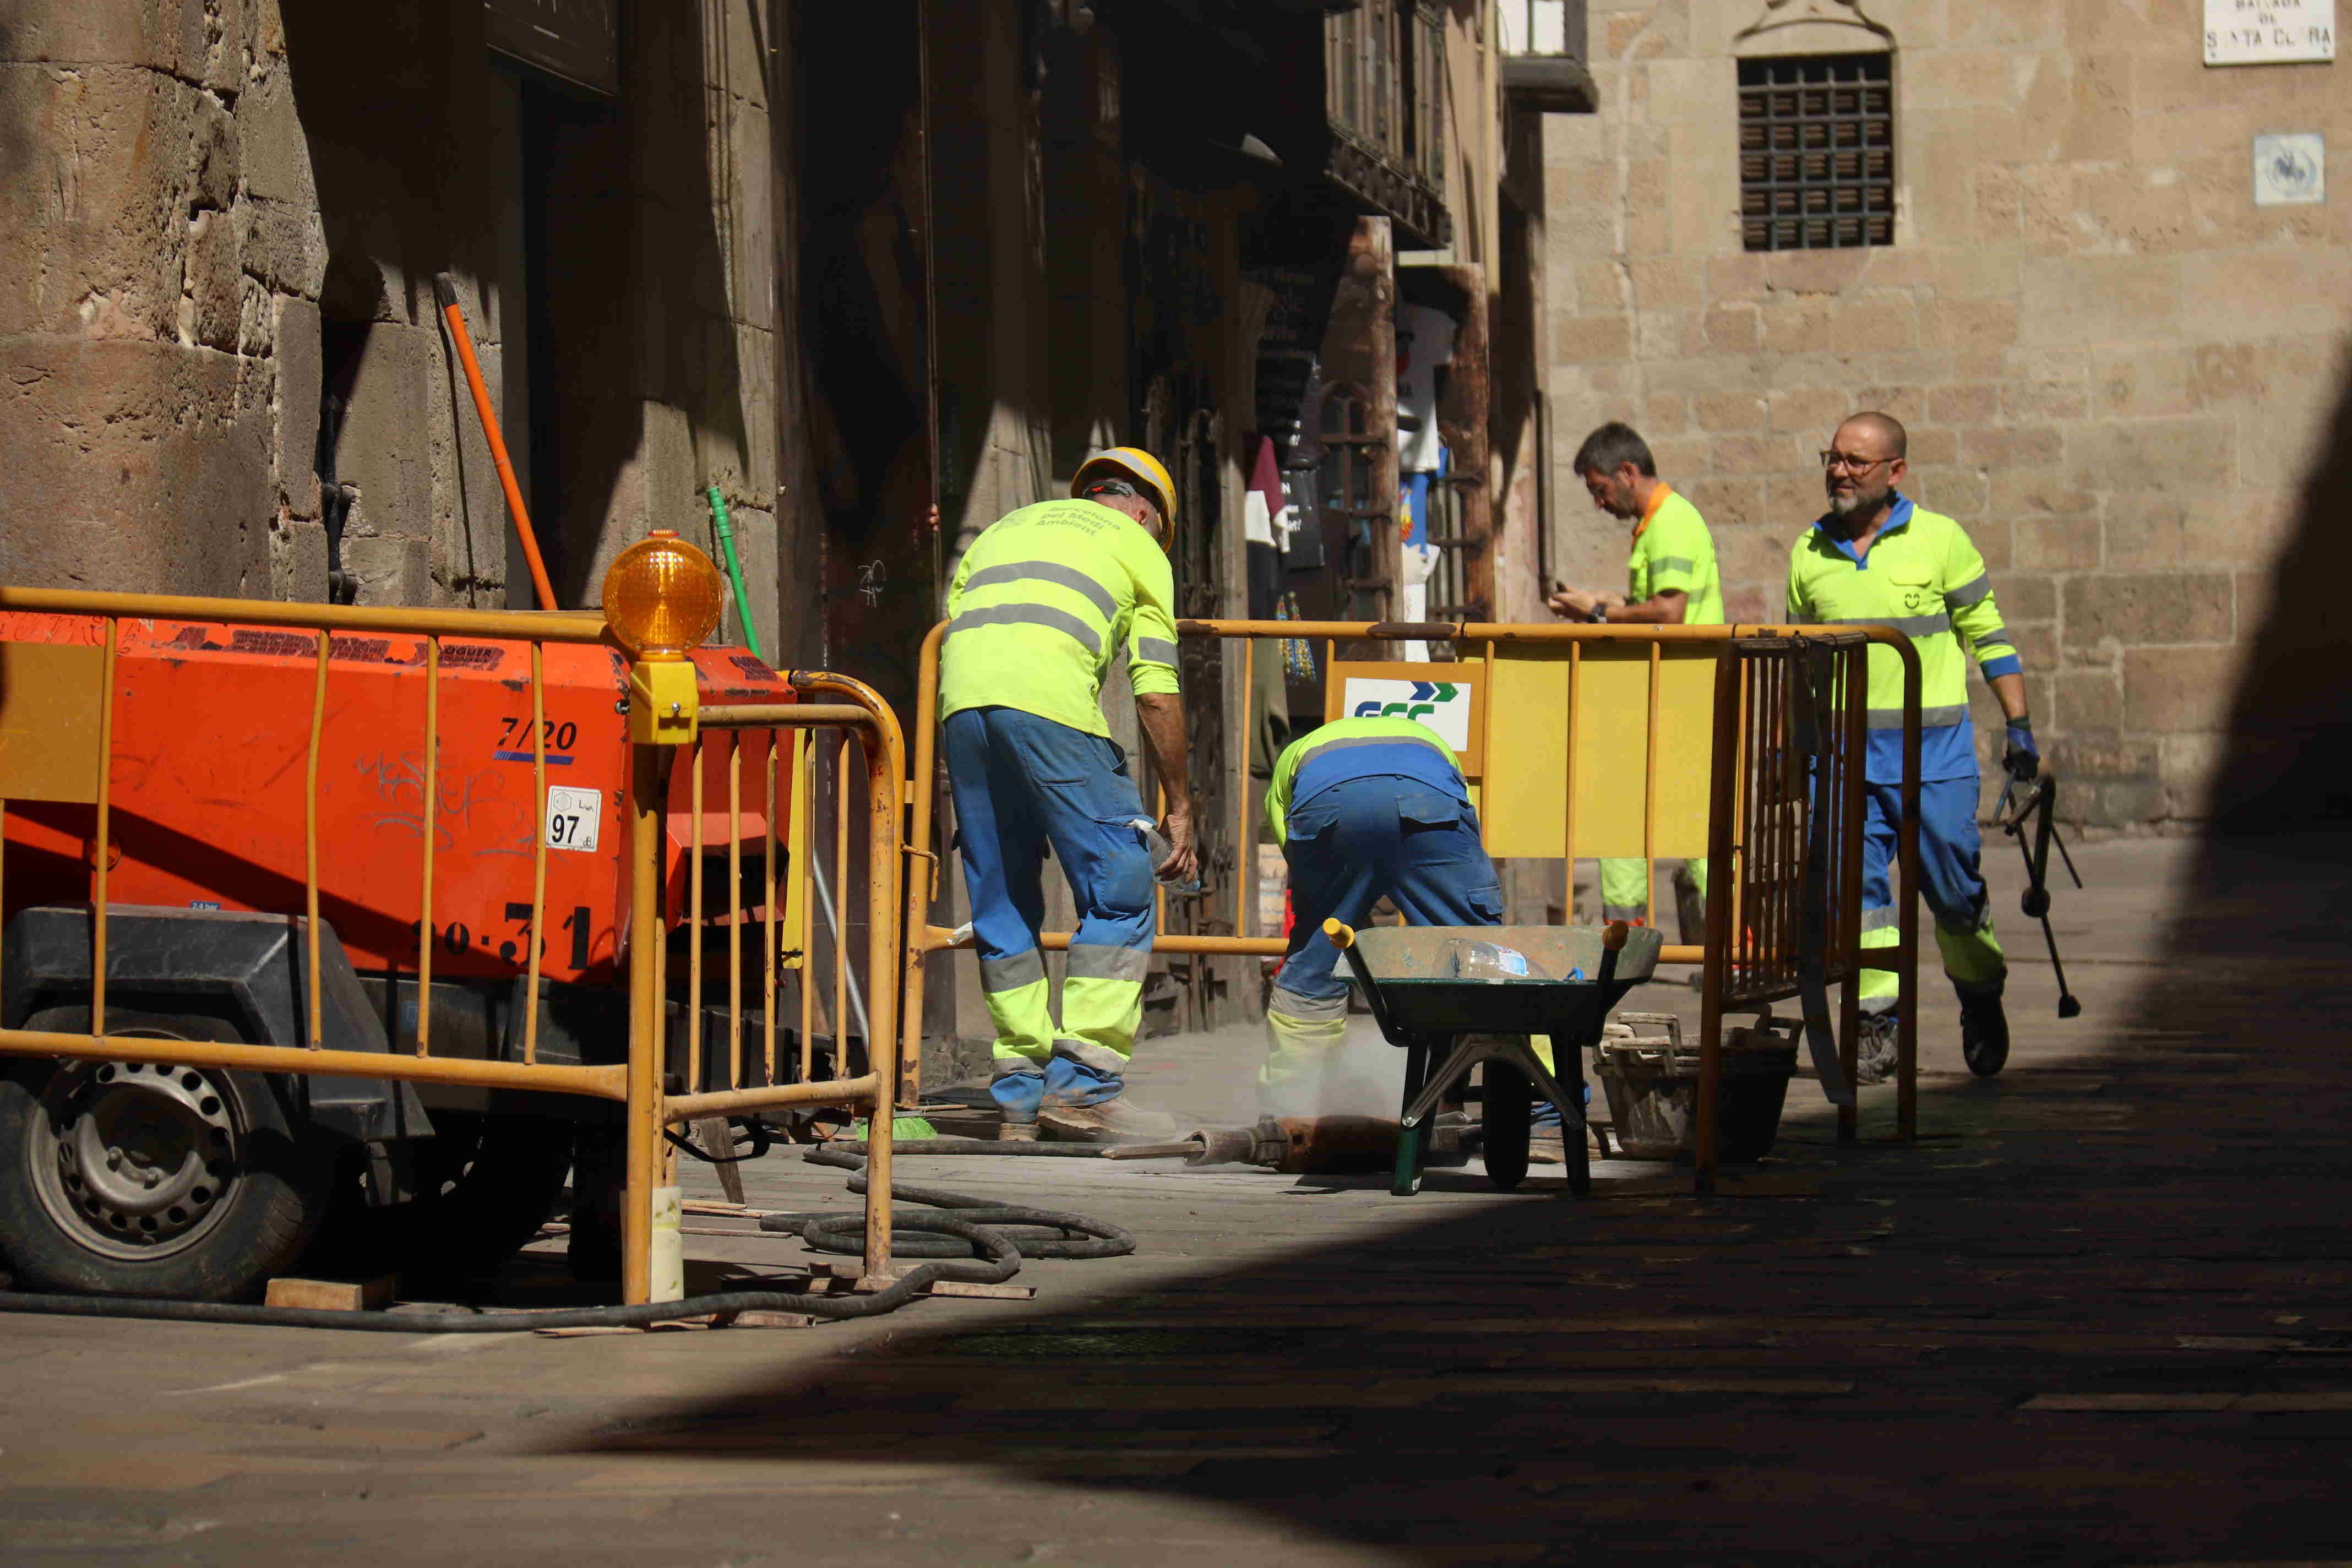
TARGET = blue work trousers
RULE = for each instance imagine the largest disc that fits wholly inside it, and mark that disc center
(1021, 783)
(1372, 836)
(1950, 880)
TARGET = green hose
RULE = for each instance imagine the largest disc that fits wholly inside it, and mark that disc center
(726, 531)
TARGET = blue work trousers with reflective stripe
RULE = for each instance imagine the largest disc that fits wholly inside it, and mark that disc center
(1354, 841)
(1021, 783)
(1949, 879)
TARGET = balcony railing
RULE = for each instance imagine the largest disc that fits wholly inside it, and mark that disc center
(1384, 74)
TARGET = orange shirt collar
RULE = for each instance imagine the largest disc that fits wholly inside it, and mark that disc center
(1658, 497)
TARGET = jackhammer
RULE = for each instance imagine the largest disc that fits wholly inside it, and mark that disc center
(1297, 1146)
(2040, 803)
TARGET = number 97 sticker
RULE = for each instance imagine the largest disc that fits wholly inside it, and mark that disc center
(573, 817)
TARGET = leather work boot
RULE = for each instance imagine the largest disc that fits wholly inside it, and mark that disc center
(1984, 1032)
(1112, 1121)
(1879, 1055)
(1690, 908)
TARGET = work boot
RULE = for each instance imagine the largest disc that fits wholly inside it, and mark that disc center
(1690, 908)
(1984, 1032)
(1113, 1121)
(1017, 1096)
(1879, 1055)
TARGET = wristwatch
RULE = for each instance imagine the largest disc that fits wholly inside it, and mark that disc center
(1598, 615)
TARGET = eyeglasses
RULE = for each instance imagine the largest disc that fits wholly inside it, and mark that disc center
(1852, 464)
(1111, 487)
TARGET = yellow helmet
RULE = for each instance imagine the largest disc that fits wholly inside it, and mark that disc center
(1134, 463)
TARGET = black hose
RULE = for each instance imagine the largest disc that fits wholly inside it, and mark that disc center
(977, 1146)
(846, 1232)
(995, 1258)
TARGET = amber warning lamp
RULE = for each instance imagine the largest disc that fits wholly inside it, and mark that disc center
(661, 601)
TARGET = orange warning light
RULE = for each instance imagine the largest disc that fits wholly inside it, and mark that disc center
(662, 596)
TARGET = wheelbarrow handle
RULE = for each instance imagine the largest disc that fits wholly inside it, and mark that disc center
(1341, 935)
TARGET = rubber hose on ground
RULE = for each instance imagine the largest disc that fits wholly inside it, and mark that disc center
(1011, 1149)
(845, 1232)
(995, 1259)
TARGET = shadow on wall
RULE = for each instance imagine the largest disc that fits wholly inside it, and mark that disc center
(629, 299)
(2291, 724)
(862, 258)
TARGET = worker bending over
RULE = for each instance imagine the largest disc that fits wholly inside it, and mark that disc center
(1041, 602)
(1876, 558)
(1670, 580)
(1362, 808)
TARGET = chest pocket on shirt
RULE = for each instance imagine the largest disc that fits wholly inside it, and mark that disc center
(1915, 589)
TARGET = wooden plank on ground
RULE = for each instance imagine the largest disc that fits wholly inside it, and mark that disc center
(716, 1139)
(332, 1295)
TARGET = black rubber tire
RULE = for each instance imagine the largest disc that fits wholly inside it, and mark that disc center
(487, 1184)
(265, 1214)
(1507, 1103)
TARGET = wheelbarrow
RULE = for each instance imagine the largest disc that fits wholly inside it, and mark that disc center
(1424, 1007)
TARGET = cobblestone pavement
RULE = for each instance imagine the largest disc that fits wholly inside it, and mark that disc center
(2098, 1314)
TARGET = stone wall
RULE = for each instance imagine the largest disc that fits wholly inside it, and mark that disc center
(215, 212)
(157, 241)
(2117, 372)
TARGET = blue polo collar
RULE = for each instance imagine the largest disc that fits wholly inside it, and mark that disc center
(1898, 517)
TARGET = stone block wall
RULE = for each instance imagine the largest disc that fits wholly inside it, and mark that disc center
(157, 238)
(212, 212)
(2124, 378)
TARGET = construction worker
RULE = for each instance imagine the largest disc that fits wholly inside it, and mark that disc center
(1041, 602)
(1876, 558)
(1362, 808)
(1671, 580)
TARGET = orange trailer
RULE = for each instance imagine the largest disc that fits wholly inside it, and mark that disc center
(228, 775)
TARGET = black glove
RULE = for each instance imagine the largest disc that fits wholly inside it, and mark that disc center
(2021, 759)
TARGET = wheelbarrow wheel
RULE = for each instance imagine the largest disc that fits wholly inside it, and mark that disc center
(1509, 1101)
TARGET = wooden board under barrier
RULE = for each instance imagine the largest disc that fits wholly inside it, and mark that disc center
(1523, 804)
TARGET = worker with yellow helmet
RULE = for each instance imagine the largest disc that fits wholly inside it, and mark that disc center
(1043, 600)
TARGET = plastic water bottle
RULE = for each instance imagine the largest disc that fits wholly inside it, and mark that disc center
(1156, 844)
(1468, 958)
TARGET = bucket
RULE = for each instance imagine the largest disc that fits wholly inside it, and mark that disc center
(1651, 1085)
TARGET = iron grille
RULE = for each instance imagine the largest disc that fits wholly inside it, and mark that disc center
(1817, 151)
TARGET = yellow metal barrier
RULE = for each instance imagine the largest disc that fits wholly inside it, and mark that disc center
(1583, 703)
(638, 1082)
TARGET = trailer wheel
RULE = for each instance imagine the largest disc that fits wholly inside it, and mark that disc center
(134, 1179)
(1508, 1104)
(485, 1184)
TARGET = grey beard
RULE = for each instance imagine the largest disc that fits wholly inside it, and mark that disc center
(1845, 505)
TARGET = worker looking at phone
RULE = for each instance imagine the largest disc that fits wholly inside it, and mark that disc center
(1670, 580)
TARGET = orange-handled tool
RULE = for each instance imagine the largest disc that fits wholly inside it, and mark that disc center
(446, 292)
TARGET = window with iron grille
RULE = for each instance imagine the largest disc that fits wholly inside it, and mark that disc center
(1817, 151)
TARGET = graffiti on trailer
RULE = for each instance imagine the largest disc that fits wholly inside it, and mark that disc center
(399, 783)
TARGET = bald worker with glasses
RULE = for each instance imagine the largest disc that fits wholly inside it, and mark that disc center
(1876, 558)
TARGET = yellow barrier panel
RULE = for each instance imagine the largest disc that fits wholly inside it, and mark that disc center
(1580, 742)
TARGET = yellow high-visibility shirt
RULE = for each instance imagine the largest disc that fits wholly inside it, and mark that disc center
(1674, 552)
(1923, 576)
(1044, 598)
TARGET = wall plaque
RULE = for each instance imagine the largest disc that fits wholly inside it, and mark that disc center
(2291, 171)
(2269, 32)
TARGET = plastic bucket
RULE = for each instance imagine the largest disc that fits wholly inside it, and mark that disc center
(1653, 1091)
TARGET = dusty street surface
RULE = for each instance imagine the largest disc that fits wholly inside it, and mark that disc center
(2099, 1314)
